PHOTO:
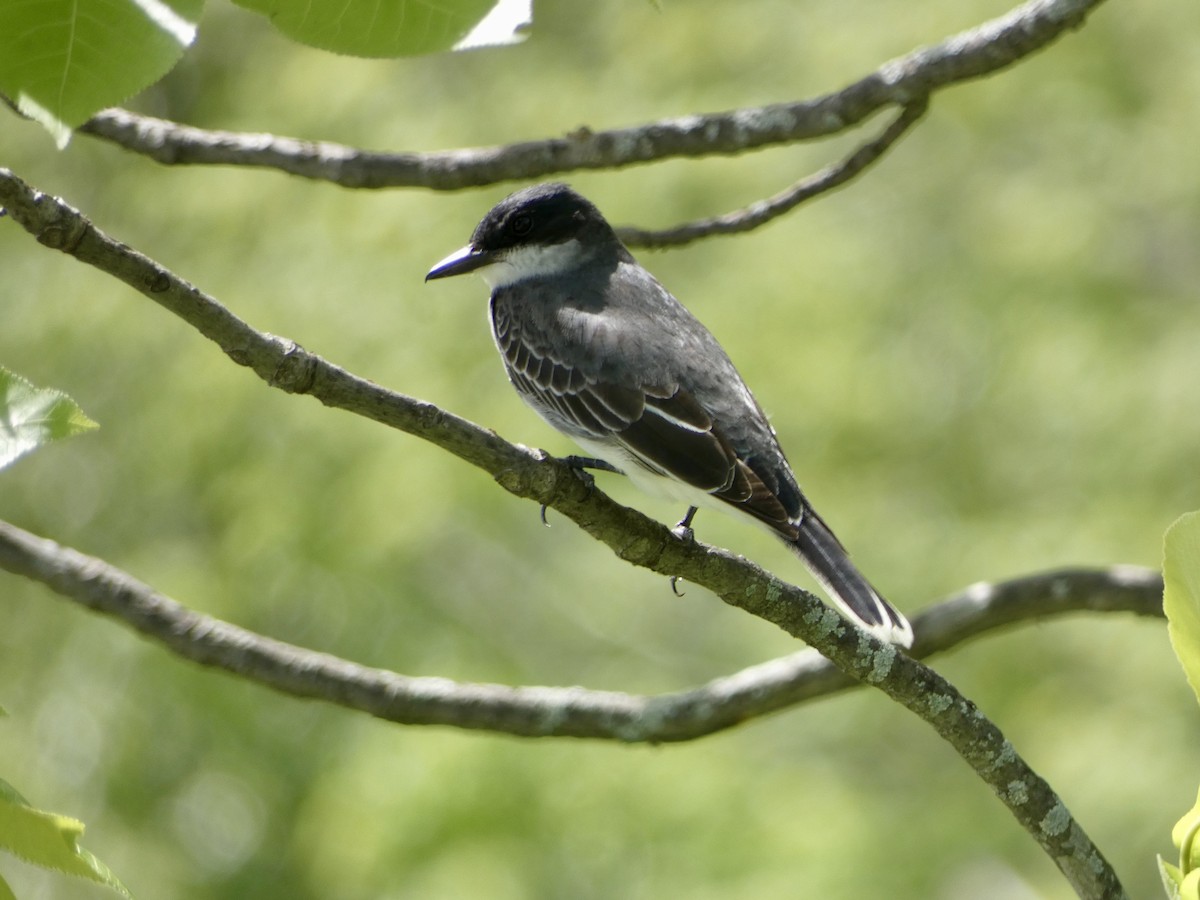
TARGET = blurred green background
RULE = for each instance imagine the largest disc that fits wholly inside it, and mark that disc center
(982, 359)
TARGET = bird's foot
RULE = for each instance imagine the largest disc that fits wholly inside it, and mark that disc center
(683, 531)
(683, 528)
(580, 465)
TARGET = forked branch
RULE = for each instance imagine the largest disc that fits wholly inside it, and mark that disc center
(905, 83)
(899, 83)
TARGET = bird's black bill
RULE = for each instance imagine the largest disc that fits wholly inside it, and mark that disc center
(460, 262)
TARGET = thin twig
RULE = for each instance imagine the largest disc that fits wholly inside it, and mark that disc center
(806, 189)
(630, 535)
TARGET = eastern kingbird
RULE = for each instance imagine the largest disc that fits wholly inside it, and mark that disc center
(607, 356)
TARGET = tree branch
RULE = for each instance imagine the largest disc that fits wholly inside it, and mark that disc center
(553, 711)
(906, 82)
(631, 535)
(765, 210)
(901, 82)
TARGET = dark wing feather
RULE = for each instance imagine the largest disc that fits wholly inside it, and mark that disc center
(753, 496)
(676, 436)
(616, 407)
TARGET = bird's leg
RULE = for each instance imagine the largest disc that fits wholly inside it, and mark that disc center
(683, 531)
(580, 465)
(683, 528)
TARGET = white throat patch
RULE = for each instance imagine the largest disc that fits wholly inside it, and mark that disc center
(537, 261)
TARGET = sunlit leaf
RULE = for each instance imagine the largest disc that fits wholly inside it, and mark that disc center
(48, 840)
(1171, 877)
(396, 27)
(1187, 830)
(63, 60)
(1181, 598)
(31, 416)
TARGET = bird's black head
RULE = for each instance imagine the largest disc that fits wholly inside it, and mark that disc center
(543, 214)
(537, 231)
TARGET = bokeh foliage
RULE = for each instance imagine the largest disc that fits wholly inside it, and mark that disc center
(981, 358)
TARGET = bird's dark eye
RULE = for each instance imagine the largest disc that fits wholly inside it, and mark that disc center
(522, 224)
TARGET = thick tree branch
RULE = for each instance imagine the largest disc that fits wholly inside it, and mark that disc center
(553, 711)
(630, 535)
(903, 81)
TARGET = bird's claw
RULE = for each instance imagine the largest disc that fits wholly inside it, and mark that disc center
(588, 479)
(580, 465)
(675, 579)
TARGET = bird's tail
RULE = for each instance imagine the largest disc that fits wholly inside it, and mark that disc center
(847, 587)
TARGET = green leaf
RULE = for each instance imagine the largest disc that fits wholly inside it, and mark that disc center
(1181, 597)
(396, 27)
(5, 891)
(31, 416)
(1171, 878)
(1189, 888)
(48, 840)
(1187, 832)
(63, 60)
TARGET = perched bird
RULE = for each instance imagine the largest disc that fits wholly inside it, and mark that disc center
(607, 356)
